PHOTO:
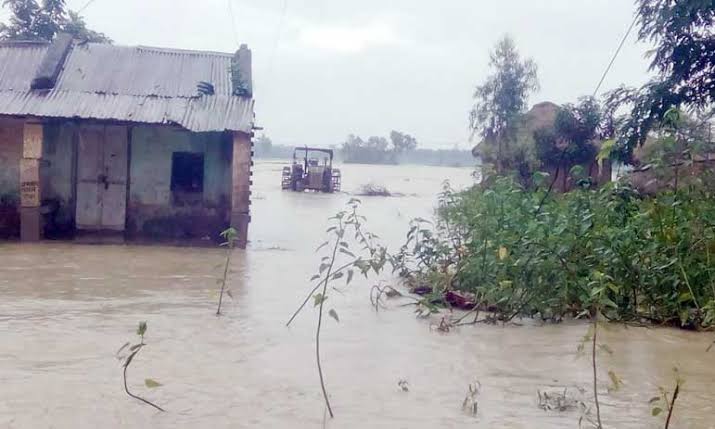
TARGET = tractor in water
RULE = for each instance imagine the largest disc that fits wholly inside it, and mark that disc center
(310, 172)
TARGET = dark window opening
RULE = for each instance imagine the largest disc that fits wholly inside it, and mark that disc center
(187, 176)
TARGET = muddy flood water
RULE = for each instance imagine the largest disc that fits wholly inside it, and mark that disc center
(66, 309)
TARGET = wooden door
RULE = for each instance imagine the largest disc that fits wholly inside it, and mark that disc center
(102, 178)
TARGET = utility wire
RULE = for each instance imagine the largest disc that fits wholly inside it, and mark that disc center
(233, 21)
(278, 37)
(86, 5)
(615, 55)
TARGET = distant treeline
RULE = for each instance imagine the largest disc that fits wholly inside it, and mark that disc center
(400, 149)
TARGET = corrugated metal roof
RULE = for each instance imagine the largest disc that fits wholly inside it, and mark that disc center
(133, 84)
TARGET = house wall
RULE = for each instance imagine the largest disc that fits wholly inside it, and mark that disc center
(57, 176)
(151, 210)
(10, 155)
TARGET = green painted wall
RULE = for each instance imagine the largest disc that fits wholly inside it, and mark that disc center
(58, 173)
(151, 210)
(10, 154)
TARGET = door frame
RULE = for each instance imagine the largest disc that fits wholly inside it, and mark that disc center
(76, 177)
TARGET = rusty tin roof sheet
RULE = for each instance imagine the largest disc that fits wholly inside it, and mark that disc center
(133, 84)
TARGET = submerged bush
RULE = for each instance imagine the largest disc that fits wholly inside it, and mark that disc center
(530, 253)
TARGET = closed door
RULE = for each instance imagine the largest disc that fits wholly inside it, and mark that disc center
(102, 178)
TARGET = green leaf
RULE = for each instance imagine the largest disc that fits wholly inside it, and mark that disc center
(321, 246)
(141, 329)
(684, 316)
(318, 299)
(228, 292)
(605, 348)
(350, 277)
(347, 252)
(334, 314)
(605, 151)
(656, 411)
(654, 399)
(323, 267)
(685, 297)
(315, 277)
(152, 384)
(337, 275)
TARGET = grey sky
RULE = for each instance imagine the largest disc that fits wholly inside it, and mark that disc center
(327, 68)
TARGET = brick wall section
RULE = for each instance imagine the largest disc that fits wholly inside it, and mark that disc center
(10, 155)
(241, 186)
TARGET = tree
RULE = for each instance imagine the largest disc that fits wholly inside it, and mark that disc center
(573, 138)
(31, 21)
(402, 142)
(684, 62)
(500, 101)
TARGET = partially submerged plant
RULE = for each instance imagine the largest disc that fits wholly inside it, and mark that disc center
(134, 350)
(470, 403)
(369, 258)
(664, 402)
(377, 292)
(558, 401)
(374, 190)
(598, 301)
(230, 235)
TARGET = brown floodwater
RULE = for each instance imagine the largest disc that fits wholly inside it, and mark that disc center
(67, 308)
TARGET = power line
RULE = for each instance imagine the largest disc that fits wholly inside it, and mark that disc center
(615, 55)
(278, 37)
(86, 5)
(233, 21)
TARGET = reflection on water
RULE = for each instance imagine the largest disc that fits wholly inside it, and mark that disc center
(67, 308)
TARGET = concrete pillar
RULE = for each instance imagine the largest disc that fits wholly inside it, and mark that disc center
(241, 186)
(30, 217)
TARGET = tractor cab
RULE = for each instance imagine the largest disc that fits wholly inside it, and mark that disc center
(308, 173)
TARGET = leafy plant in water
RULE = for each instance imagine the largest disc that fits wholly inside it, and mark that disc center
(471, 403)
(230, 235)
(558, 401)
(134, 350)
(342, 261)
(664, 402)
(525, 253)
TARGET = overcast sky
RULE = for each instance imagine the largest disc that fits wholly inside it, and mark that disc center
(327, 68)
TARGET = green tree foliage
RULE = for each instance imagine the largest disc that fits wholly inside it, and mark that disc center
(684, 63)
(30, 20)
(573, 137)
(521, 252)
(402, 142)
(377, 150)
(499, 103)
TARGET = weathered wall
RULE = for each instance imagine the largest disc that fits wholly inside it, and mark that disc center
(58, 176)
(10, 155)
(151, 210)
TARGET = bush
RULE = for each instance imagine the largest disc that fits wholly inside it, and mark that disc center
(530, 253)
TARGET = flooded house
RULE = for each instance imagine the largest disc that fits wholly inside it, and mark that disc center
(136, 142)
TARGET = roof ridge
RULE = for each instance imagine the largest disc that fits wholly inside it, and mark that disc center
(181, 51)
(23, 43)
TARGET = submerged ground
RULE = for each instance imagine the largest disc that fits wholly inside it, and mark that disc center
(66, 309)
